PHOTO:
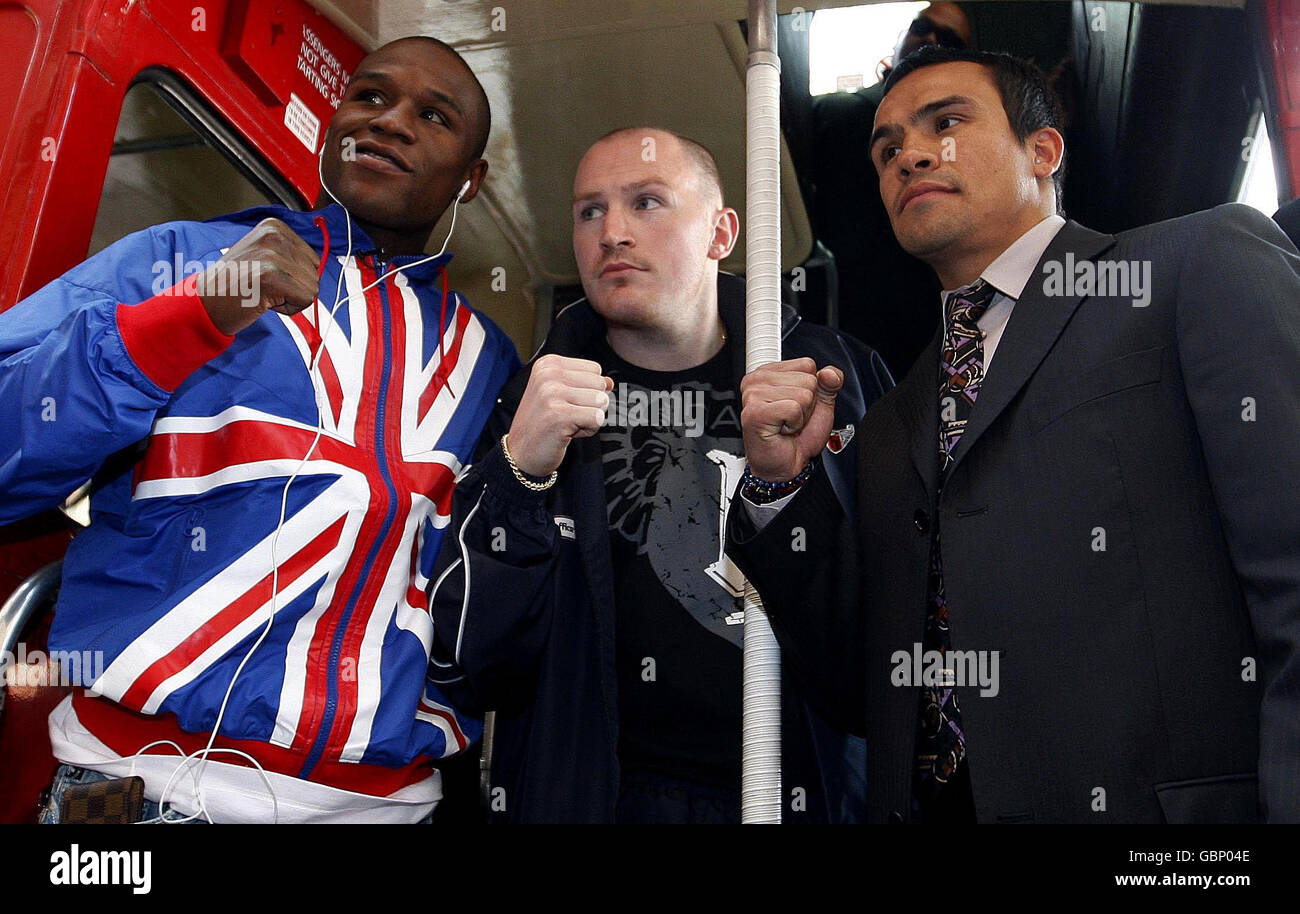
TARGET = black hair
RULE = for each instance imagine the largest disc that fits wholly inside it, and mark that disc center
(485, 107)
(1027, 97)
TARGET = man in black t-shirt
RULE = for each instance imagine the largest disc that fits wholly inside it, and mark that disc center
(670, 447)
(586, 598)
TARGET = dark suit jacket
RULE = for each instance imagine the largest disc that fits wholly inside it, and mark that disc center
(1288, 217)
(1155, 670)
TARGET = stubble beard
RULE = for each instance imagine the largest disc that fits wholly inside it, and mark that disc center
(934, 238)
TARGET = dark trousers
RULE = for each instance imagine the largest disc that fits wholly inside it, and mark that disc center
(652, 799)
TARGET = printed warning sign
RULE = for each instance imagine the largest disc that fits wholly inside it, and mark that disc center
(322, 68)
(301, 122)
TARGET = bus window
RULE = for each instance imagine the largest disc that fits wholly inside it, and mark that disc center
(174, 159)
(848, 46)
(1257, 178)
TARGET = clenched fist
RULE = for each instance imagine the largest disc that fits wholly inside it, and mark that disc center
(787, 410)
(269, 268)
(565, 399)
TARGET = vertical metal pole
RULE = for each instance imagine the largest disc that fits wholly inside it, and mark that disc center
(760, 782)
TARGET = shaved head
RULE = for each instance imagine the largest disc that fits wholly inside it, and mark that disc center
(706, 166)
(649, 230)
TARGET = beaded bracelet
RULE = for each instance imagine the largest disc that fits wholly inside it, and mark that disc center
(760, 491)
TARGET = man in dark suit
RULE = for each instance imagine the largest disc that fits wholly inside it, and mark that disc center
(1068, 588)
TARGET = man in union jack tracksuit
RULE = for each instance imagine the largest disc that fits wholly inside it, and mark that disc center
(272, 473)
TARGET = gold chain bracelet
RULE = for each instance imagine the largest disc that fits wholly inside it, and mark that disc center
(524, 480)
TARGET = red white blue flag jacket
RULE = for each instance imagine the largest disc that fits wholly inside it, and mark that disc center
(115, 371)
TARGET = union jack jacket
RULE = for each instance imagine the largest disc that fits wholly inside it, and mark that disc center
(115, 373)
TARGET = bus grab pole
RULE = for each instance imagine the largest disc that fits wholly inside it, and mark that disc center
(760, 781)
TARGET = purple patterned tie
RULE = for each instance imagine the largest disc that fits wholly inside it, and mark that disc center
(962, 361)
(942, 744)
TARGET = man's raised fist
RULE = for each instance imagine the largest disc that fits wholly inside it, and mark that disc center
(565, 399)
(269, 268)
(787, 411)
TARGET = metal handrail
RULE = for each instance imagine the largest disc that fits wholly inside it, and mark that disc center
(24, 602)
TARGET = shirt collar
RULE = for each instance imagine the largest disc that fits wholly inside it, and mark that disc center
(1010, 272)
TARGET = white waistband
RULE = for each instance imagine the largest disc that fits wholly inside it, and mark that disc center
(234, 793)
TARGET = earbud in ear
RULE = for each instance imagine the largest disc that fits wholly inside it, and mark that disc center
(464, 188)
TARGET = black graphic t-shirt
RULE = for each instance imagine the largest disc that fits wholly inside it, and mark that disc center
(672, 452)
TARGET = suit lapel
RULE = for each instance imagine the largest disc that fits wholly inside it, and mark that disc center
(917, 402)
(1035, 323)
